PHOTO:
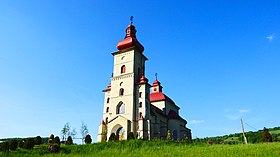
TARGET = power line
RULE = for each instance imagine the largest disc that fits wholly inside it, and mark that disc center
(250, 126)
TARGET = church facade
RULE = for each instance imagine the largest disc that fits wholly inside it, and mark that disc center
(130, 107)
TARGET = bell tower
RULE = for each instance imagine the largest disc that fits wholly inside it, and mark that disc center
(126, 102)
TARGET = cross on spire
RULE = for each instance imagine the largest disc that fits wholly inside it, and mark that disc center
(131, 20)
(156, 75)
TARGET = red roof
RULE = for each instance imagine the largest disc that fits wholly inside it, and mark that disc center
(159, 96)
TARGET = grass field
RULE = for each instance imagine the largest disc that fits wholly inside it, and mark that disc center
(153, 148)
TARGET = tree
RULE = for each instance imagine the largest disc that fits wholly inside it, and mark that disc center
(65, 131)
(4, 146)
(88, 139)
(69, 140)
(84, 131)
(28, 143)
(266, 136)
(38, 140)
(73, 133)
(13, 144)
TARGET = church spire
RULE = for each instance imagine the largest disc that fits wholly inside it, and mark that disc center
(130, 38)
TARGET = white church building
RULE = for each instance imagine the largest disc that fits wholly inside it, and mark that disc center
(131, 104)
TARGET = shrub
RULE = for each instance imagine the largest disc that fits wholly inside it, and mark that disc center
(266, 136)
(28, 143)
(168, 137)
(4, 146)
(113, 137)
(21, 143)
(13, 144)
(130, 136)
(69, 140)
(38, 140)
(88, 139)
(56, 145)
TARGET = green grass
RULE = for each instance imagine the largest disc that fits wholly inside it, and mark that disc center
(153, 148)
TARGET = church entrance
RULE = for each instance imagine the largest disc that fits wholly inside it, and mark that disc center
(119, 131)
(120, 134)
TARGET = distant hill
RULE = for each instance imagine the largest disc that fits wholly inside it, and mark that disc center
(44, 139)
(237, 138)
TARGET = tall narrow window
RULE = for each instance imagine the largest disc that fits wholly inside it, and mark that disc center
(107, 109)
(123, 69)
(140, 104)
(106, 121)
(140, 94)
(121, 92)
(120, 108)
(140, 114)
(108, 100)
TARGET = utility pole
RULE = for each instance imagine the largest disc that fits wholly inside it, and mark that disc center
(245, 139)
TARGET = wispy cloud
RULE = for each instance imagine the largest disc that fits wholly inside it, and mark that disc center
(244, 111)
(232, 117)
(196, 121)
(270, 37)
(235, 114)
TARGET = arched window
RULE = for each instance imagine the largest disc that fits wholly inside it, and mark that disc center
(140, 104)
(121, 92)
(140, 94)
(140, 114)
(107, 109)
(106, 121)
(108, 100)
(120, 108)
(123, 69)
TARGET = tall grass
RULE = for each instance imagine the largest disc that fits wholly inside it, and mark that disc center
(154, 148)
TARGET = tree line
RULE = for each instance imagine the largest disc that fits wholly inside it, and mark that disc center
(53, 142)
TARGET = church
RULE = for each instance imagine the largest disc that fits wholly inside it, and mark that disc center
(132, 105)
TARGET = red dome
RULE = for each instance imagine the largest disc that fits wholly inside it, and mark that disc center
(143, 79)
(156, 83)
(130, 40)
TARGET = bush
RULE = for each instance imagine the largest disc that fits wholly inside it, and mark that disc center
(113, 137)
(28, 143)
(13, 144)
(88, 139)
(69, 140)
(4, 147)
(266, 136)
(168, 137)
(38, 140)
(54, 144)
(130, 136)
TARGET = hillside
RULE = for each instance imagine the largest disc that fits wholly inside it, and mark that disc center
(237, 138)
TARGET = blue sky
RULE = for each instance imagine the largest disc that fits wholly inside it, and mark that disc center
(218, 60)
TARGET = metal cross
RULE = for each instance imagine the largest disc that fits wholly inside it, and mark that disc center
(156, 76)
(131, 19)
